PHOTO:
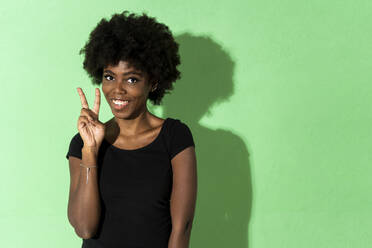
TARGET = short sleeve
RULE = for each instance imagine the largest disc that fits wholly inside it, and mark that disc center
(76, 144)
(180, 138)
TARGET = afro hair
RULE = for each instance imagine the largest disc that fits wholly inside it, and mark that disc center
(144, 43)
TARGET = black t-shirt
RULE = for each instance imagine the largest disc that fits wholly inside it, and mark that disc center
(135, 188)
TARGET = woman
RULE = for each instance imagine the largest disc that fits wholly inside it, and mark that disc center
(133, 178)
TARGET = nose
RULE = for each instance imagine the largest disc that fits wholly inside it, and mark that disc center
(120, 87)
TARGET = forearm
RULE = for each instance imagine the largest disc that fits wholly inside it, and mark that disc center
(179, 239)
(84, 208)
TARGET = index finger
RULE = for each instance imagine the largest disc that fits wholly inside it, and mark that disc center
(97, 101)
(84, 102)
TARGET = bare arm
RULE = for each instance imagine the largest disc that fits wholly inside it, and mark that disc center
(84, 207)
(183, 197)
(84, 203)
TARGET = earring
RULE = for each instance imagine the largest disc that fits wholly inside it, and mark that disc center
(154, 88)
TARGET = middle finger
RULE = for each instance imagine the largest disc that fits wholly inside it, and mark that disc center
(97, 101)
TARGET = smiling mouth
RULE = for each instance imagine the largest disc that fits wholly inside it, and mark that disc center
(119, 104)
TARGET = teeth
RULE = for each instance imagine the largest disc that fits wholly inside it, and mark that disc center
(119, 102)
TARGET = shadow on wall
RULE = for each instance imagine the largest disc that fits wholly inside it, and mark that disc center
(224, 196)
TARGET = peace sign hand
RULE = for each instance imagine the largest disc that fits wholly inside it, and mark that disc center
(91, 130)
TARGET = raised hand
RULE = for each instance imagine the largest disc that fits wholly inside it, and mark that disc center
(91, 130)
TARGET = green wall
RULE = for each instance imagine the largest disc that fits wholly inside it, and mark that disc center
(277, 95)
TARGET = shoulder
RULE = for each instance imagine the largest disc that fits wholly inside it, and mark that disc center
(77, 138)
(176, 124)
(76, 144)
(178, 136)
(177, 128)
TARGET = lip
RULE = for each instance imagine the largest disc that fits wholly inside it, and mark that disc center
(119, 107)
(118, 98)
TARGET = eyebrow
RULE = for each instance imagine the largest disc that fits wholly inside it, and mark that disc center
(125, 73)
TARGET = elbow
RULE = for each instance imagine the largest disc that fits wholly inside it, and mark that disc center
(85, 234)
(187, 228)
(82, 231)
(184, 229)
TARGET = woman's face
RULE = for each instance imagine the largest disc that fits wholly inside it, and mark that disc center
(125, 83)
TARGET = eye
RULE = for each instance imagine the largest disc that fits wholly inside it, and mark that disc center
(132, 80)
(107, 75)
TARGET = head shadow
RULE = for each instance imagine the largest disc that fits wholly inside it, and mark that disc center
(224, 197)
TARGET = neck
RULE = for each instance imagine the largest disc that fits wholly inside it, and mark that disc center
(132, 127)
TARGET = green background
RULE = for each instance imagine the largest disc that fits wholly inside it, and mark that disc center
(277, 95)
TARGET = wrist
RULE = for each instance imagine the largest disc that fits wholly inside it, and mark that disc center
(89, 151)
(89, 148)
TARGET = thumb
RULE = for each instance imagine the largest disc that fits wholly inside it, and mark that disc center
(82, 124)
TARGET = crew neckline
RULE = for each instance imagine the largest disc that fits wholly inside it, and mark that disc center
(144, 147)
